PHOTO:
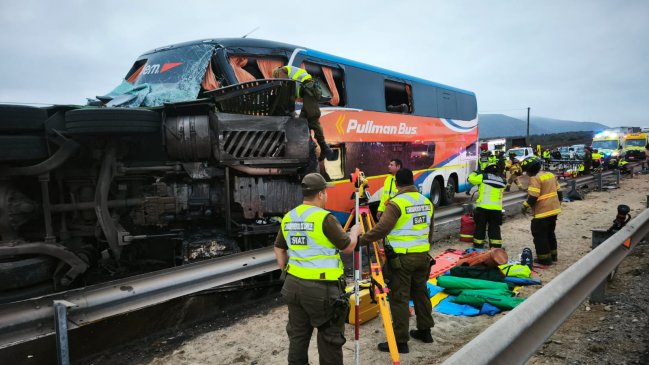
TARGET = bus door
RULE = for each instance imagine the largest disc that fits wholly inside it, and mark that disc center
(469, 159)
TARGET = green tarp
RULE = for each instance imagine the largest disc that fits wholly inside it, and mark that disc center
(476, 292)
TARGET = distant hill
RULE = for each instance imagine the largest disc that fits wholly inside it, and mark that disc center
(499, 125)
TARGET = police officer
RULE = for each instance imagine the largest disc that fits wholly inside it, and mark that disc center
(389, 186)
(488, 213)
(307, 248)
(544, 199)
(310, 94)
(407, 226)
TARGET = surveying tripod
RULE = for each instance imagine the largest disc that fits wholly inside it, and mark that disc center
(362, 215)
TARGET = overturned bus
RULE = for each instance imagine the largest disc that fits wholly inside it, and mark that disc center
(197, 153)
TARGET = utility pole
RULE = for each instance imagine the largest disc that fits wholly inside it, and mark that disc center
(527, 138)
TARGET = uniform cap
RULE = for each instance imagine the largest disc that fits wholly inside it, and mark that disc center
(314, 182)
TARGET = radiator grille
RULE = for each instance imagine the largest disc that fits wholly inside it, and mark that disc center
(258, 144)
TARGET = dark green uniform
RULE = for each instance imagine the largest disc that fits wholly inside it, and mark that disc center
(314, 284)
(412, 243)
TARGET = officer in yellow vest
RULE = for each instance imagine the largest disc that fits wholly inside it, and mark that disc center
(488, 213)
(407, 226)
(310, 95)
(389, 186)
(307, 248)
(544, 199)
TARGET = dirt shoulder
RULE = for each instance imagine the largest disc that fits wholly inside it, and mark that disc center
(614, 332)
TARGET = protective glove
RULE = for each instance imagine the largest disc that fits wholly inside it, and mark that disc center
(525, 208)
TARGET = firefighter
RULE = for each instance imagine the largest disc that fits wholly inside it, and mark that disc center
(310, 94)
(514, 168)
(389, 186)
(307, 249)
(488, 214)
(544, 200)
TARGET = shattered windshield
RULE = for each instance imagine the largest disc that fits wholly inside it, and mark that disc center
(171, 75)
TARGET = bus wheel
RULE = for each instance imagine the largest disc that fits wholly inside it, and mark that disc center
(436, 193)
(449, 191)
(100, 121)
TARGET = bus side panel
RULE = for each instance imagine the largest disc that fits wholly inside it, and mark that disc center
(429, 146)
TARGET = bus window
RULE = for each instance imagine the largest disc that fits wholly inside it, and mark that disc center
(422, 155)
(250, 68)
(335, 169)
(398, 97)
(330, 80)
(446, 104)
(472, 149)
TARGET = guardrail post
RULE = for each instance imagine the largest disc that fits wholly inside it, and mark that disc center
(598, 237)
(61, 323)
(598, 181)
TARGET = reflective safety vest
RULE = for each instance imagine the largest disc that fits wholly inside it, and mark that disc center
(297, 74)
(311, 255)
(389, 191)
(410, 233)
(490, 190)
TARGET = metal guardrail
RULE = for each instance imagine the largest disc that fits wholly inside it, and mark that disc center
(517, 336)
(34, 318)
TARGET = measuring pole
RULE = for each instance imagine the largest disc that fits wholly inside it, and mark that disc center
(357, 292)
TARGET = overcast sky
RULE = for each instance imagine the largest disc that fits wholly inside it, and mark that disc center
(579, 60)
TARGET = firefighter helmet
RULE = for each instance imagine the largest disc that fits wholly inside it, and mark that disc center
(530, 162)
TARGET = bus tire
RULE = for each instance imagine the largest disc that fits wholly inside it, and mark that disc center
(21, 118)
(448, 195)
(112, 121)
(25, 272)
(436, 193)
(22, 148)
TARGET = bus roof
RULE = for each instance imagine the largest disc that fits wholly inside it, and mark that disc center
(260, 43)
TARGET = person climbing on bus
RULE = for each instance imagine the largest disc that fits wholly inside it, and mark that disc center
(310, 93)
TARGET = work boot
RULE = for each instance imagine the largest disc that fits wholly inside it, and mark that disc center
(422, 335)
(328, 153)
(401, 346)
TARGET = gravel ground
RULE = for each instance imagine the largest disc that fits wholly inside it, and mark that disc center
(614, 332)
